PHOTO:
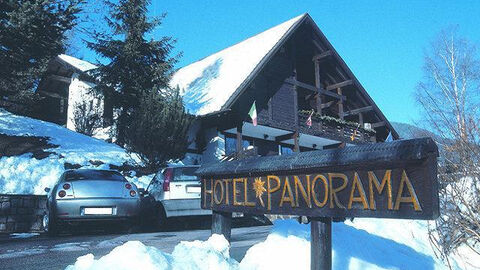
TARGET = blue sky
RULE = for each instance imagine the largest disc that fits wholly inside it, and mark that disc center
(381, 41)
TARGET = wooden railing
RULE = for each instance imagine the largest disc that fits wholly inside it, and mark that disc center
(335, 130)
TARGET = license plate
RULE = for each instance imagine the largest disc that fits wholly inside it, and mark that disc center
(98, 211)
(193, 189)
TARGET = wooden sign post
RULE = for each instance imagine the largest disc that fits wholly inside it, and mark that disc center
(383, 180)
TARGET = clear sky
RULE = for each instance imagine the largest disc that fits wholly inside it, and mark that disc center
(381, 41)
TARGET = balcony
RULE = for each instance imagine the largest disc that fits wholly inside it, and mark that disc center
(334, 128)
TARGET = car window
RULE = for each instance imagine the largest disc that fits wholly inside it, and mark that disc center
(185, 174)
(93, 175)
(158, 177)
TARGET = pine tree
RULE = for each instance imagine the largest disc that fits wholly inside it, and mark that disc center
(159, 128)
(31, 34)
(136, 66)
(151, 120)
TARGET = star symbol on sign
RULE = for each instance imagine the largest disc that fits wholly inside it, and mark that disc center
(259, 187)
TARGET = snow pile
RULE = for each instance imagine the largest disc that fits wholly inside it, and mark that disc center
(287, 247)
(352, 248)
(25, 174)
(210, 254)
(363, 244)
(208, 84)
(23, 235)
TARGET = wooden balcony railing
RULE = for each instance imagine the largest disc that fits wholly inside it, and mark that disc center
(336, 129)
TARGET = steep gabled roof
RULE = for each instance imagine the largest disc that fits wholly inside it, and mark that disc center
(210, 84)
(76, 63)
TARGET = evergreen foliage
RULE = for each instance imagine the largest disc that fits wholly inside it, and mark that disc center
(150, 118)
(159, 128)
(31, 34)
(136, 65)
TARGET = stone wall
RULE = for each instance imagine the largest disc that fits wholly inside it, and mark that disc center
(21, 213)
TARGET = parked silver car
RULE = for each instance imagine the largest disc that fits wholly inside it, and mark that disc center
(90, 195)
(176, 191)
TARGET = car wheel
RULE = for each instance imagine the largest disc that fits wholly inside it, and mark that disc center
(160, 221)
(50, 224)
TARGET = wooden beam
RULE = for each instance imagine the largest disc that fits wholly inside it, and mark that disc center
(321, 56)
(285, 137)
(326, 105)
(378, 124)
(317, 45)
(339, 85)
(313, 88)
(321, 244)
(340, 104)
(60, 78)
(222, 224)
(360, 119)
(301, 84)
(51, 94)
(239, 146)
(360, 110)
(296, 146)
(333, 146)
(317, 85)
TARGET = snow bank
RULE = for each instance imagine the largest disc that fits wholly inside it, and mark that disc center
(23, 235)
(353, 248)
(211, 254)
(25, 174)
(369, 244)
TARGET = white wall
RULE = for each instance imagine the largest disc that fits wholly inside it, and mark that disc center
(80, 91)
(215, 149)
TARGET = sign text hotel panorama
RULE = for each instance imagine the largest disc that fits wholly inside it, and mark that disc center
(404, 192)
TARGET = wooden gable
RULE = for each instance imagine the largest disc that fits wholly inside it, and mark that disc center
(304, 73)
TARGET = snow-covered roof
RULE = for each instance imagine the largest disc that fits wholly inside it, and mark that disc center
(208, 84)
(77, 63)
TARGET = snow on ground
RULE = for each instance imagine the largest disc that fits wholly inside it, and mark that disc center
(362, 244)
(211, 254)
(25, 174)
(23, 235)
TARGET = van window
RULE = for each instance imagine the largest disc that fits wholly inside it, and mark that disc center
(185, 174)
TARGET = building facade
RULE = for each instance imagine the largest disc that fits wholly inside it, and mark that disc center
(292, 73)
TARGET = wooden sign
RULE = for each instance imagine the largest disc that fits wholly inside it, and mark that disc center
(385, 180)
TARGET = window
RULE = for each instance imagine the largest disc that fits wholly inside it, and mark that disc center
(93, 175)
(231, 145)
(185, 174)
(285, 150)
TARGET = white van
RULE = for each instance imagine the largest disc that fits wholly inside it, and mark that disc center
(177, 192)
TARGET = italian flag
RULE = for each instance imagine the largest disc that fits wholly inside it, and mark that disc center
(253, 114)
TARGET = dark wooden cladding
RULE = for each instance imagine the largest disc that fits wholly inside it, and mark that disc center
(283, 109)
(392, 180)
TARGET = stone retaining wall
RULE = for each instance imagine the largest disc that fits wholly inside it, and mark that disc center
(21, 213)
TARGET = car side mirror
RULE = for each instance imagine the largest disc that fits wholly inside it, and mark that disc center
(47, 189)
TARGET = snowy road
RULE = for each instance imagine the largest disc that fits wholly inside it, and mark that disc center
(42, 252)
